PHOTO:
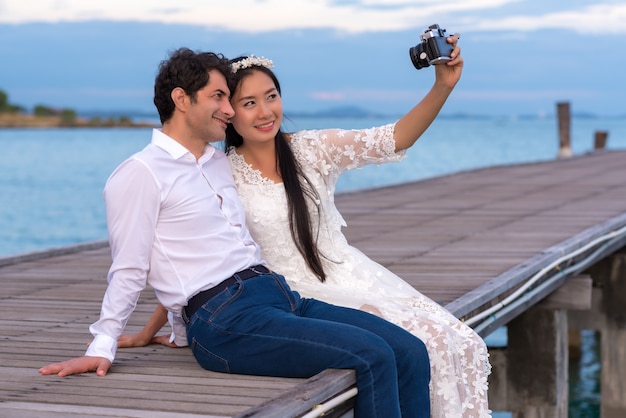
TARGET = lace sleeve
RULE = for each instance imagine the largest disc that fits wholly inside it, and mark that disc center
(338, 150)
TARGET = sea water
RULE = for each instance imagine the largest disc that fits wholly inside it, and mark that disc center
(51, 181)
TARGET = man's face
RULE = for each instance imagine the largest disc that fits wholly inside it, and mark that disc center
(209, 114)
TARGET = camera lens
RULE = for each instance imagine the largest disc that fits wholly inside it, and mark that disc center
(419, 58)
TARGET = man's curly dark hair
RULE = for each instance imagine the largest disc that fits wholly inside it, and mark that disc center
(188, 70)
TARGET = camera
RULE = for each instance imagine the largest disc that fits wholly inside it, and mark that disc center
(433, 48)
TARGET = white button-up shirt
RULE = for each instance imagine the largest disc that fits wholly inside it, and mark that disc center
(174, 223)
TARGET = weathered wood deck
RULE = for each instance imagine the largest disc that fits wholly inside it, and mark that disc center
(466, 240)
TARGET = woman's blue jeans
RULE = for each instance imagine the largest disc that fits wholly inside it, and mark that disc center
(261, 327)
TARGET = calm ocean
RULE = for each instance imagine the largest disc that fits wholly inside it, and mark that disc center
(51, 182)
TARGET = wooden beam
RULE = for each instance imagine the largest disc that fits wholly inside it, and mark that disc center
(574, 294)
(613, 340)
(537, 364)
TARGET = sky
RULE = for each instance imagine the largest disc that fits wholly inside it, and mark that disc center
(521, 56)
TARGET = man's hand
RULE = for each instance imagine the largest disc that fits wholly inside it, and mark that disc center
(78, 365)
(165, 340)
(132, 340)
(140, 340)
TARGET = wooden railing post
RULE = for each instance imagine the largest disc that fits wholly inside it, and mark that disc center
(565, 147)
(608, 316)
(599, 141)
(537, 364)
(613, 342)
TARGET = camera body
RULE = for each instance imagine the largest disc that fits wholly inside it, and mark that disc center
(433, 48)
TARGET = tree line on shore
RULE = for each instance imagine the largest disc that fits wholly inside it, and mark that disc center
(14, 115)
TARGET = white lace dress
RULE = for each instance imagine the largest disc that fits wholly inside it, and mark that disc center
(458, 356)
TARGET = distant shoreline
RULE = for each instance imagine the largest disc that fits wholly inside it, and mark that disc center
(21, 120)
(17, 120)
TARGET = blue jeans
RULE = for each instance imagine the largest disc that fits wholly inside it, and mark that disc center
(261, 327)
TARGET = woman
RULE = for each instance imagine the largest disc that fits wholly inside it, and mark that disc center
(287, 182)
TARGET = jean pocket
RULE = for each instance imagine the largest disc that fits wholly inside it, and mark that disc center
(292, 297)
(212, 308)
(207, 359)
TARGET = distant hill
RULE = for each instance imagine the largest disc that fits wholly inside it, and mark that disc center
(20, 120)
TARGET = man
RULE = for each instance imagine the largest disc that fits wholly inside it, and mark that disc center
(175, 222)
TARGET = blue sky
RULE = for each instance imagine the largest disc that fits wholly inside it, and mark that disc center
(522, 57)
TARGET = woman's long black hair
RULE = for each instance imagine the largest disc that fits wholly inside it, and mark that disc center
(297, 186)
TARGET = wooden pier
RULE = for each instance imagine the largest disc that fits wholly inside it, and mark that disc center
(530, 246)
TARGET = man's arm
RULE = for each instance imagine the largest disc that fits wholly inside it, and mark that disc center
(132, 200)
(131, 197)
(147, 334)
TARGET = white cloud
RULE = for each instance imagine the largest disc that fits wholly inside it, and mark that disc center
(366, 94)
(243, 15)
(330, 96)
(594, 19)
(348, 16)
(362, 95)
(249, 15)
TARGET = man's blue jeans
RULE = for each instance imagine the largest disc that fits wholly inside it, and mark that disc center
(261, 327)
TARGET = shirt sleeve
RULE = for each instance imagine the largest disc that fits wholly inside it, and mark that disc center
(132, 200)
(179, 330)
(338, 150)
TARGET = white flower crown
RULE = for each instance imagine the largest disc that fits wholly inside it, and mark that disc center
(250, 61)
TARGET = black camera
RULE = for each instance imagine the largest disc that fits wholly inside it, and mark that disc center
(432, 50)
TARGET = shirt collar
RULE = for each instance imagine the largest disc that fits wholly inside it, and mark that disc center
(175, 148)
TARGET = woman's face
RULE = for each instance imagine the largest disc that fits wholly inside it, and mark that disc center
(258, 108)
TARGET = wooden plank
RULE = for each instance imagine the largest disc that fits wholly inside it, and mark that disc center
(31, 410)
(575, 294)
